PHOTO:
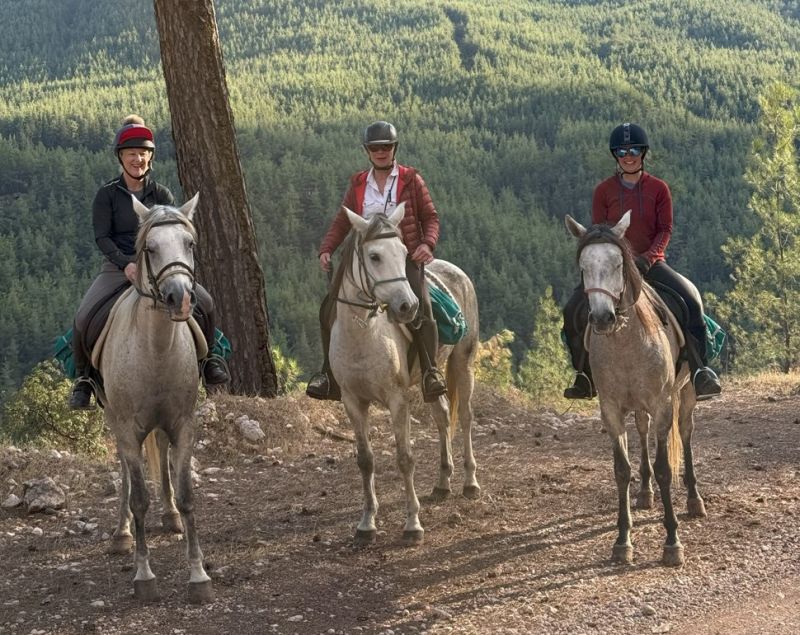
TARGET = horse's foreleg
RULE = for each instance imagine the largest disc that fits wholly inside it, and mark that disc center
(144, 583)
(441, 414)
(200, 589)
(466, 384)
(358, 410)
(401, 422)
(644, 500)
(695, 505)
(623, 549)
(122, 540)
(673, 550)
(170, 518)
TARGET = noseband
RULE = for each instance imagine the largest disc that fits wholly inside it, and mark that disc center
(368, 282)
(155, 279)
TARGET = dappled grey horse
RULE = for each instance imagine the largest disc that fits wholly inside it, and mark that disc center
(636, 368)
(149, 368)
(368, 354)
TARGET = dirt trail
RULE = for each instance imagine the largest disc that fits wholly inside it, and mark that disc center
(530, 556)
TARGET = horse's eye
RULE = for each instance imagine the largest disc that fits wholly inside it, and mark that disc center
(374, 257)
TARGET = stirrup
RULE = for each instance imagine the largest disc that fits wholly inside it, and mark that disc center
(323, 386)
(709, 384)
(433, 385)
(223, 364)
(81, 396)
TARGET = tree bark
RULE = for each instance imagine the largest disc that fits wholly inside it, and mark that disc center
(208, 162)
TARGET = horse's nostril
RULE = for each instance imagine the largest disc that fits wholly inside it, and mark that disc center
(405, 308)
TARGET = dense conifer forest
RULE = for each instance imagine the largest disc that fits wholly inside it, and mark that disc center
(505, 107)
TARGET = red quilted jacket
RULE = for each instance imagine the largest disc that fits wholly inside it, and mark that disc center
(419, 225)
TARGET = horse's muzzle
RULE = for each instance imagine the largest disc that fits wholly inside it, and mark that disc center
(602, 321)
(180, 300)
(403, 311)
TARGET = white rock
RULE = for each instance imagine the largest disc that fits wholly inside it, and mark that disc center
(37, 531)
(12, 501)
(98, 604)
(55, 454)
(295, 618)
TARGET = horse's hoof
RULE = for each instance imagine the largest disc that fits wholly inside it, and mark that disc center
(413, 537)
(121, 543)
(439, 494)
(696, 507)
(365, 537)
(201, 592)
(171, 523)
(622, 553)
(673, 555)
(644, 500)
(472, 492)
(145, 590)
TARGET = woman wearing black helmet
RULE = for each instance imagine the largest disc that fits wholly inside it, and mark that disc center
(115, 227)
(649, 198)
(378, 191)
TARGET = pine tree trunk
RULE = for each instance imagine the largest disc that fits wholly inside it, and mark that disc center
(208, 161)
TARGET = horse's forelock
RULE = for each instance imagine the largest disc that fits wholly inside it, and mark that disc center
(157, 214)
(603, 234)
(378, 224)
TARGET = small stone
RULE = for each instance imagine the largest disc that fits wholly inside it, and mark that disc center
(647, 610)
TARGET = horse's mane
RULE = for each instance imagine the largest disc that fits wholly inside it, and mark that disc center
(378, 224)
(157, 214)
(603, 234)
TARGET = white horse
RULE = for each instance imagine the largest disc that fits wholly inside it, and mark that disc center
(149, 367)
(636, 368)
(368, 354)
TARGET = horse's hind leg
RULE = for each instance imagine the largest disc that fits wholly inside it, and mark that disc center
(644, 500)
(464, 385)
(200, 588)
(144, 583)
(357, 410)
(170, 517)
(401, 422)
(122, 540)
(673, 550)
(441, 414)
(695, 505)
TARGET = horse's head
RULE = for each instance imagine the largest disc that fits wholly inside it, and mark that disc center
(165, 256)
(379, 268)
(610, 278)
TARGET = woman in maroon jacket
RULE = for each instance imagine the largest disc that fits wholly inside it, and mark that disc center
(378, 191)
(649, 198)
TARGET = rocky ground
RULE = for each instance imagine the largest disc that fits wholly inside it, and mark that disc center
(277, 516)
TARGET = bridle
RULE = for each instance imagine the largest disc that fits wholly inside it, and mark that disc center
(155, 279)
(368, 282)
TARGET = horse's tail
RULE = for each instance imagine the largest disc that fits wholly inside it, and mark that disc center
(674, 445)
(451, 377)
(153, 456)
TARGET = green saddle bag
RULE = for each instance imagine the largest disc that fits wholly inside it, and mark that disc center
(715, 338)
(450, 322)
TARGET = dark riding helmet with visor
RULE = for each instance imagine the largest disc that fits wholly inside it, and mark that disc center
(380, 133)
(628, 135)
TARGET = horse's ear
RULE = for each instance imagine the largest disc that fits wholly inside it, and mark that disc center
(574, 227)
(140, 209)
(358, 223)
(397, 215)
(189, 207)
(623, 224)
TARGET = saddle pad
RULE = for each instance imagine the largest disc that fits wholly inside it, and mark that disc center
(97, 352)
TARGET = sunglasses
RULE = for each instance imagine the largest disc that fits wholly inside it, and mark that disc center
(380, 147)
(624, 152)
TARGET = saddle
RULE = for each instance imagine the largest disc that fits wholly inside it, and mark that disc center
(97, 350)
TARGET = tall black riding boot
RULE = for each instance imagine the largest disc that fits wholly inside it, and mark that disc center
(213, 368)
(426, 338)
(583, 386)
(81, 397)
(704, 379)
(322, 385)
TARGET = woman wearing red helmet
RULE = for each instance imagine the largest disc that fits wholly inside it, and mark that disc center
(650, 200)
(115, 228)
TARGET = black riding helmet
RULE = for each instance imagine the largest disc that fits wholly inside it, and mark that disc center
(628, 135)
(380, 133)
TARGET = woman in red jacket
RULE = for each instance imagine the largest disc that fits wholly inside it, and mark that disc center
(378, 191)
(649, 198)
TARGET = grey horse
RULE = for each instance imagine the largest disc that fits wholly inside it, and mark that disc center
(368, 353)
(636, 368)
(149, 368)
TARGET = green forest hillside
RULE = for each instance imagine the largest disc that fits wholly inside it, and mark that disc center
(504, 106)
